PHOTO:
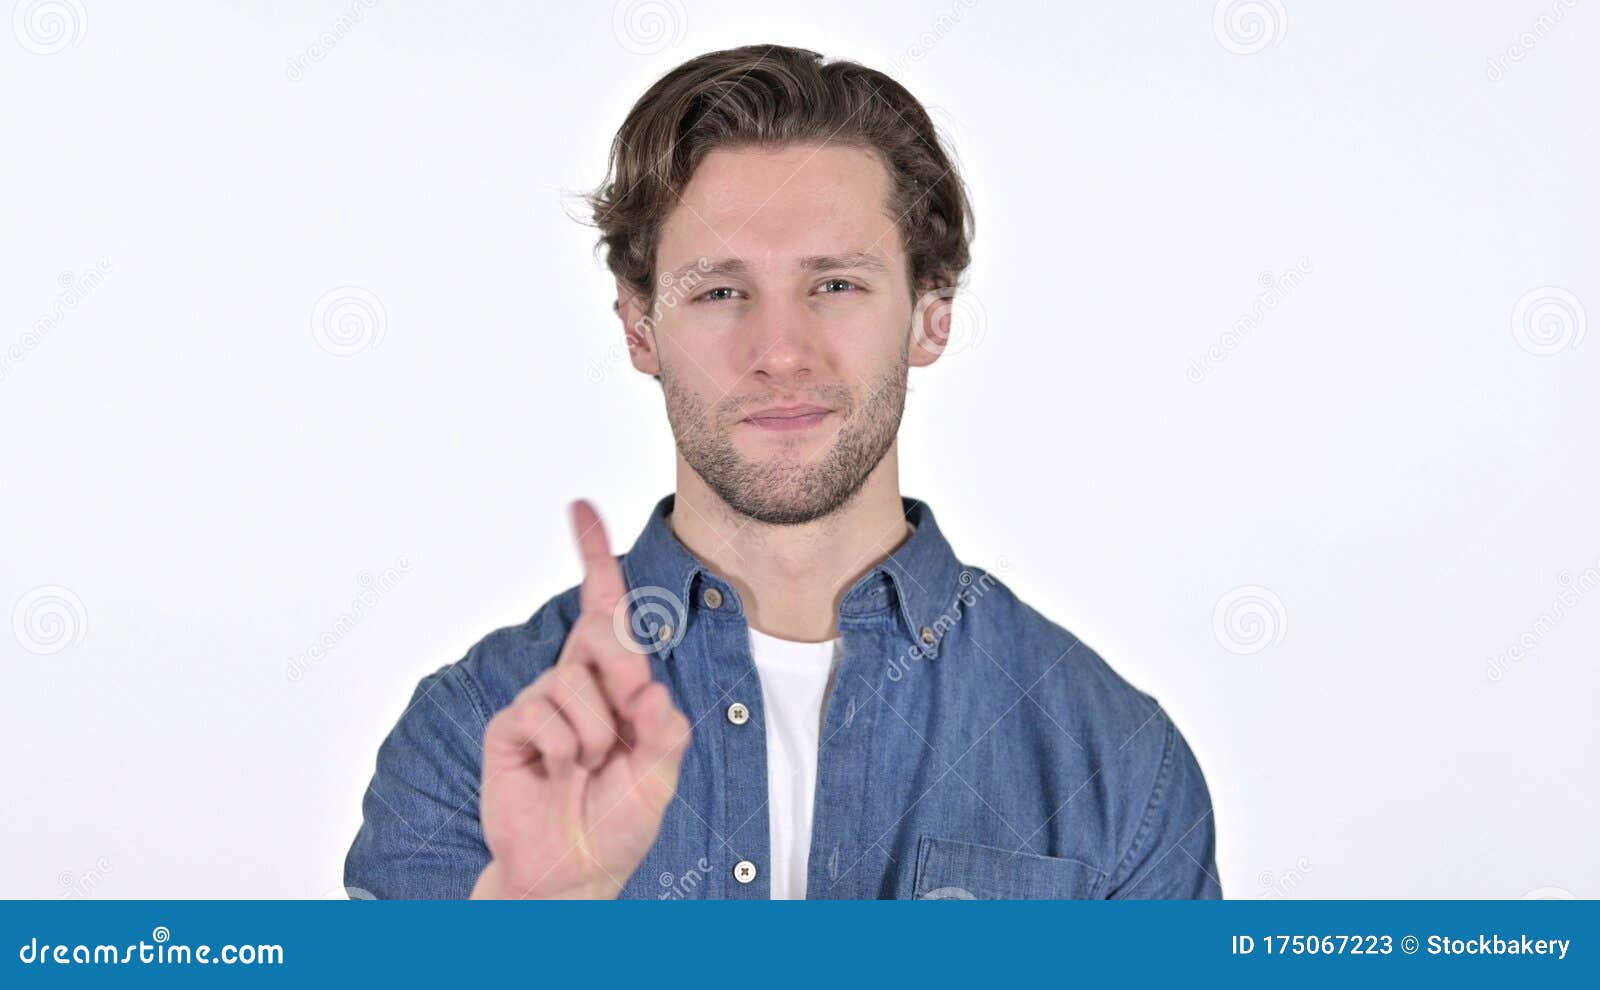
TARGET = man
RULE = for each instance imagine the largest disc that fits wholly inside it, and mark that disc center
(789, 686)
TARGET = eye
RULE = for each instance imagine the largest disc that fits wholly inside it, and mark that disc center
(848, 286)
(706, 296)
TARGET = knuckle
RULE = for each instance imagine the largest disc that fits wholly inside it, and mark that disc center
(535, 714)
(539, 690)
(577, 680)
(557, 741)
(531, 697)
(559, 690)
(597, 737)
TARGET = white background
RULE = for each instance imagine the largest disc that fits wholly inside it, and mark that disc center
(197, 484)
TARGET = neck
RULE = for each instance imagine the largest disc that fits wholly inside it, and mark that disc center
(792, 578)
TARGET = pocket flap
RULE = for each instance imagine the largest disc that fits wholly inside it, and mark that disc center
(948, 869)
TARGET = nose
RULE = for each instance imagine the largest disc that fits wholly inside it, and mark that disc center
(780, 343)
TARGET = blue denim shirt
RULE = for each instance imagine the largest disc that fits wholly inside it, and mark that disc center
(970, 748)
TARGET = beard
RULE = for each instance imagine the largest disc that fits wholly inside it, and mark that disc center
(789, 487)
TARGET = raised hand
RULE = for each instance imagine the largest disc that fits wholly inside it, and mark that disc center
(579, 769)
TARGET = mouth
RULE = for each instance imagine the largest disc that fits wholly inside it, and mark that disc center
(787, 418)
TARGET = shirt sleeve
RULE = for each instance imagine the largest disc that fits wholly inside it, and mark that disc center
(1173, 853)
(420, 836)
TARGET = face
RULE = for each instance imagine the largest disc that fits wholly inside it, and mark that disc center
(782, 327)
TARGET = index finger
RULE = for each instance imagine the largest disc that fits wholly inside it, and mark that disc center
(603, 586)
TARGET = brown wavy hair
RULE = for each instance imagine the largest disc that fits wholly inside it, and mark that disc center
(769, 96)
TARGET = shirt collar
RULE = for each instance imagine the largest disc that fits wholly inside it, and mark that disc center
(667, 583)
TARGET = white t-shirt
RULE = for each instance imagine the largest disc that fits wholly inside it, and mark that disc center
(795, 680)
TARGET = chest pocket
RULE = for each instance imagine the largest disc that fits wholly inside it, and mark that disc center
(947, 869)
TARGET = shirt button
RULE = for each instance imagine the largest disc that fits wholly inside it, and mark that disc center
(665, 632)
(744, 871)
(713, 598)
(927, 635)
(738, 714)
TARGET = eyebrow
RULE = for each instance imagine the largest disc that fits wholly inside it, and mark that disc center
(812, 263)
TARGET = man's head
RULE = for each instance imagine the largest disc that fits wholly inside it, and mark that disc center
(784, 233)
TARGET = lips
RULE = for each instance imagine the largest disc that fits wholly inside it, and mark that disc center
(787, 412)
(797, 417)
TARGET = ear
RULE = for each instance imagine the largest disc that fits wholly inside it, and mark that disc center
(638, 330)
(930, 325)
